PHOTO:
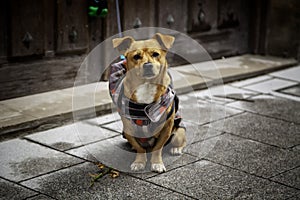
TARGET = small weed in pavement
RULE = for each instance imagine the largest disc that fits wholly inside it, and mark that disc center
(104, 170)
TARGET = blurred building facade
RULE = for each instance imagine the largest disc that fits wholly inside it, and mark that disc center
(40, 40)
(224, 27)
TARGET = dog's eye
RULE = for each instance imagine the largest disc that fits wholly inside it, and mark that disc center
(137, 57)
(155, 54)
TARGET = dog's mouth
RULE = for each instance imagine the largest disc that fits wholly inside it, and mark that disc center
(148, 74)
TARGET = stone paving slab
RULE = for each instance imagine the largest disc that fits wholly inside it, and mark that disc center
(276, 107)
(297, 197)
(269, 86)
(24, 160)
(10, 117)
(293, 90)
(246, 155)
(71, 136)
(93, 95)
(173, 163)
(199, 132)
(289, 74)
(251, 81)
(108, 118)
(61, 102)
(290, 178)
(223, 94)
(203, 112)
(236, 67)
(187, 82)
(263, 129)
(73, 183)
(296, 148)
(116, 126)
(11, 191)
(117, 153)
(174, 196)
(207, 180)
(41, 105)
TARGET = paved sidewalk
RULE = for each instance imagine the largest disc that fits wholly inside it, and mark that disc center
(49, 109)
(244, 143)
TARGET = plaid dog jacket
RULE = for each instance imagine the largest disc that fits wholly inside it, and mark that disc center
(146, 118)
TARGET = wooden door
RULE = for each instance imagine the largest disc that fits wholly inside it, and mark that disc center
(4, 31)
(26, 28)
(72, 26)
(221, 26)
(138, 13)
(173, 14)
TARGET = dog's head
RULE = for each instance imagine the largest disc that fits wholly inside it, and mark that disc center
(146, 59)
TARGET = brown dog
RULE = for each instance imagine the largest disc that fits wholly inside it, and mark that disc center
(146, 100)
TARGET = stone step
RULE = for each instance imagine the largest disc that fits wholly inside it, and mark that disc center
(55, 107)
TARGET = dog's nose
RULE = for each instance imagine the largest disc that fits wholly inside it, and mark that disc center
(148, 66)
(148, 69)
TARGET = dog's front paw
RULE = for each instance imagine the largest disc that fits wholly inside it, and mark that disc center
(136, 166)
(158, 167)
(176, 151)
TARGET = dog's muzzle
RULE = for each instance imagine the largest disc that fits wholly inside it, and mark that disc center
(148, 70)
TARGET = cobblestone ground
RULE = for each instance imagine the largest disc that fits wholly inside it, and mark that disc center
(244, 144)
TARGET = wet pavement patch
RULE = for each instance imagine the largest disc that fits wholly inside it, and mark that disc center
(70, 136)
(73, 183)
(24, 160)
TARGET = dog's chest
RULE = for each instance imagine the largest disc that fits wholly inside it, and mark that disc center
(145, 93)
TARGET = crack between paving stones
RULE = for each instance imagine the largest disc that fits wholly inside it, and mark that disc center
(282, 78)
(252, 174)
(222, 133)
(24, 186)
(161, 186)
(291, 148)
(64, 151)
(272, 117)
(260, 114)
(44, 145)
(254, 140)
(285, 172)
(53, 171)
(97, 125)
(40, 194)
(207, 123)
(241, 87)
(109, 129)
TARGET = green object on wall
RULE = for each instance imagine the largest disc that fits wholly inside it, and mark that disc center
(93, 11)
(98, 8)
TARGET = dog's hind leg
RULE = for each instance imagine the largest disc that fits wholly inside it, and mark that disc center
(178, 141)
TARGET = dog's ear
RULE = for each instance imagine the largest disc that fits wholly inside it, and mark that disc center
(166, 41)
(122, 44)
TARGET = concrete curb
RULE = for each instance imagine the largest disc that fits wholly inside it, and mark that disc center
(187, 78)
